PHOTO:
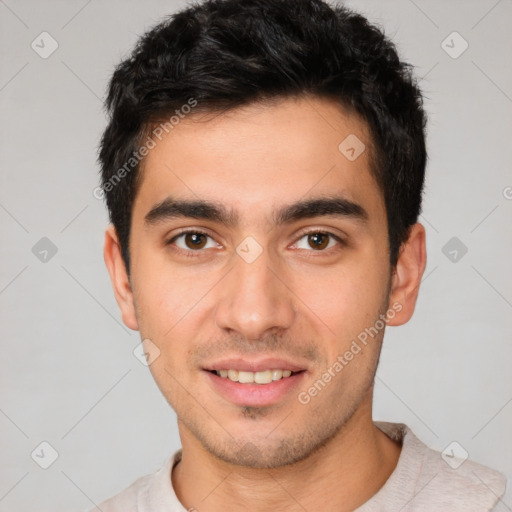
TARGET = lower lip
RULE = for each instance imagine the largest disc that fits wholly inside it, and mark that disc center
(255, 395)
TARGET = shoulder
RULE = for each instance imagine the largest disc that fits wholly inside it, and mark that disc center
(461, 482)
(445, 480)
(148, 492)
(128, 499)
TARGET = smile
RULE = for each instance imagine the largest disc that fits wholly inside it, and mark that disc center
(255, 389)
(261, 377)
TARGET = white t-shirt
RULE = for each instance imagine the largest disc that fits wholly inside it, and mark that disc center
(421, 482)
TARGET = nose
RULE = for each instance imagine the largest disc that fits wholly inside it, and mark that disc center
(255, 300)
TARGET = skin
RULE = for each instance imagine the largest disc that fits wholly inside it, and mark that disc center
(294, 301)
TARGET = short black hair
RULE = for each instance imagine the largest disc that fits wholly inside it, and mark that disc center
(218, 55)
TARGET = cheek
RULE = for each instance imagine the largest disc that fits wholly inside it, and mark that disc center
(345, 299)
(170, 312)
(166, 297)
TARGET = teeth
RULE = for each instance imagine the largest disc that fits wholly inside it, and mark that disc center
(263, 377)
(245, 377)
(277, 374)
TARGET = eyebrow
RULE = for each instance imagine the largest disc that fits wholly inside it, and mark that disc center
(172, 208)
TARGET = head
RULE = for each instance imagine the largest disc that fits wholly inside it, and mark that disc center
(287, 139)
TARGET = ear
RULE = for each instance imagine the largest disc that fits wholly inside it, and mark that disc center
(119, 278)
(406, 279)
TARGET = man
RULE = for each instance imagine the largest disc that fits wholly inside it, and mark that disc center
(263, 169)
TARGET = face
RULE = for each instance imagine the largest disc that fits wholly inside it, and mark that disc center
(280, 263)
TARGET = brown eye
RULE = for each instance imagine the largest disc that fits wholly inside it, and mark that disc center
(318, 241)
(192, 241)
(195, 240)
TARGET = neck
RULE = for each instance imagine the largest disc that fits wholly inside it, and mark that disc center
(342, 475)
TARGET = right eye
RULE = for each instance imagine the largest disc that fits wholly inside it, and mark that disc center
(192, 241)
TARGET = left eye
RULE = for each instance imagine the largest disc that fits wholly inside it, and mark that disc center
(318, 240)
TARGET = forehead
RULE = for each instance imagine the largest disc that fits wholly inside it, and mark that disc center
(258, 157)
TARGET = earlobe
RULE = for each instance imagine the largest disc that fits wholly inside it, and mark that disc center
(119, 278)
(406, 279)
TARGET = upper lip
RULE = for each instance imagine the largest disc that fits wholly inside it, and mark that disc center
(254, 366)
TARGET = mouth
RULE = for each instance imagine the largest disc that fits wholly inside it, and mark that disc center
(260, 388)
(261, 377)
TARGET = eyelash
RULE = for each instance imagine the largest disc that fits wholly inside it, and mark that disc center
(195, 254)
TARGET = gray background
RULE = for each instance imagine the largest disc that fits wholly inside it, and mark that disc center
(68, 375)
